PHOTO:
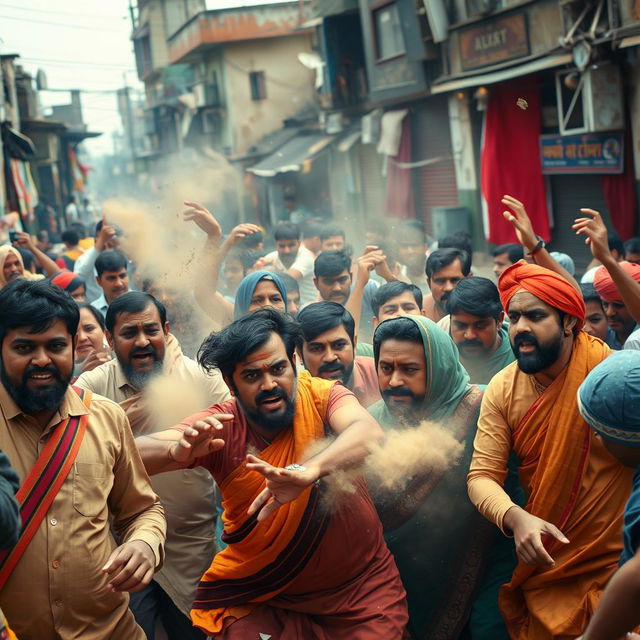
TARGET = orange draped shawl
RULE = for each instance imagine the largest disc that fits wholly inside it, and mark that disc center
(583, 497)
(262, 559)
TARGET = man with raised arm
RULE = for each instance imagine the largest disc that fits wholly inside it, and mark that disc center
(287, 571)
(569, 534)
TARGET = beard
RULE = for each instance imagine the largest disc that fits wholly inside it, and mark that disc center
(540, 359)
(36, 400)
(273, 421)
(405, 412)
(331, 367)
(136, 378)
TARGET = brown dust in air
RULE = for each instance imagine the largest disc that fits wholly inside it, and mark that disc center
(427, 450)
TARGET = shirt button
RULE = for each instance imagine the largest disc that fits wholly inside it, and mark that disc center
(54, 522)
(58, 603)
(55, 564)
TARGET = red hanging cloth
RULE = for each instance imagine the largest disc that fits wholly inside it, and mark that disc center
(510, 162)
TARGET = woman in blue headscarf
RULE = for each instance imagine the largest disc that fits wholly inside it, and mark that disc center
(259, 289)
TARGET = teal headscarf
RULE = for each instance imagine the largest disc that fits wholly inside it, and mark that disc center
(447, 381)
(248, 285)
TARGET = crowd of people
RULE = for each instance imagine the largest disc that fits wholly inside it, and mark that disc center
(268, 511)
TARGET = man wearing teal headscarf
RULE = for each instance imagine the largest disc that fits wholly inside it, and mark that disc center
(449, 560)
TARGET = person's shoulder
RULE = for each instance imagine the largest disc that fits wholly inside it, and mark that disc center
(365, 362)
(111, 414)
(503, 380)
(97, 379)
(212, 380)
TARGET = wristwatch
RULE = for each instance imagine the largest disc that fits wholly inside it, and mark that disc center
(539, 245)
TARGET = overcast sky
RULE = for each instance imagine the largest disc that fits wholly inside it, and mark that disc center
(79, 45)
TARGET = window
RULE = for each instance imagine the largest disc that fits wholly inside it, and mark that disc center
(258, 85)
(388, 32)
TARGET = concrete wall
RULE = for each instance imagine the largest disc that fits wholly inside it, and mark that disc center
(289, 86)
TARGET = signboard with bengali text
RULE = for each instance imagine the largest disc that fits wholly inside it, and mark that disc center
(583, 153)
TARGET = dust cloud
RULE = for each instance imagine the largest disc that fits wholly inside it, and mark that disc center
(427, 450)
(169, 400)
(165, 248)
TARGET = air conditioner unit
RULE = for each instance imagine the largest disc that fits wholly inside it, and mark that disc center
(591, 101)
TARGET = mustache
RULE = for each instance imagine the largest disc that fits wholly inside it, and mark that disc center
(400, 392)
(270, 395)
(525, 337)
(470, 343)
(143, 351)
(329, 367)
(30, 370)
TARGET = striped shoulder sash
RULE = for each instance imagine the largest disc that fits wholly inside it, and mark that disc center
(43, 482)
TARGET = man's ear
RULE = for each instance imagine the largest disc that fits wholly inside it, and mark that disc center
(501, 319)
(315, 282)
(166, 328)
(569, 323)
(229, 385)
(109, 337)
(298, 354)
(375, 322)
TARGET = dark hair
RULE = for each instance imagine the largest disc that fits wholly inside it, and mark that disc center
(589, 293)
(615, 242)
(318, 317)
(132, 302)
(311, 228)
(70, 237)
(110, 261)
(398, 329)
(290, 283)
(99, 226)
(252, 240)
(287, 231)
(331, 263)
(42, 235)
(458, 240)
(224, 349)
(28, 259)
(390, 290)
(242, 256)
(409, 229)
(36, 304)
(251, 256)
(476, 296)
(330, 232)
(378, 226)
(441, 258)
(97, 314)
(79, 228)
(632, 245)
(514, 251)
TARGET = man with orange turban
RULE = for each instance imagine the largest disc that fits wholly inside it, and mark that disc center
(619, 317)
(569, 534)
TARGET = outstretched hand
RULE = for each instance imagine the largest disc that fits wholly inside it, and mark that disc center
(596, 236)
(283, 486)
(520, 221)
(204, 219)
(528, 531)
(200, 438)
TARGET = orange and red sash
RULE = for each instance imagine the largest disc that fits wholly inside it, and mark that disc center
(262, 559)
(554, 445)
(43, 482)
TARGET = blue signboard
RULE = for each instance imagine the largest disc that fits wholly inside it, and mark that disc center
(583, 153)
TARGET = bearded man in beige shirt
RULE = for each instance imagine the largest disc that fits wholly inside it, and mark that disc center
(71, 576)
(146, 351)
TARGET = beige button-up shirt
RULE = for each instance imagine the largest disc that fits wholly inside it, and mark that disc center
(187, 495)
(57, 590)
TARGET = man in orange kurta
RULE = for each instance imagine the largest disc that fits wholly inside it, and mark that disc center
(569, 535)
(301, 562)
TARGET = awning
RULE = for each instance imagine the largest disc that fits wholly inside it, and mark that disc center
(17, 144)
(633, 41)
(292, 155)
(504, 74)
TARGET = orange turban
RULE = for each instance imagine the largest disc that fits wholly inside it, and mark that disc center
(547, 285)
(605, 285)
